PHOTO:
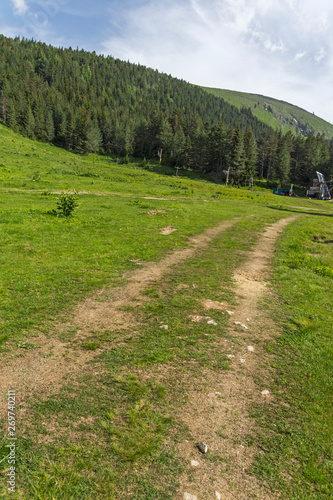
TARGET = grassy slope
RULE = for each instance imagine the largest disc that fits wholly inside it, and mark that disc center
(48, 264)
(283, 115)
(54, 261)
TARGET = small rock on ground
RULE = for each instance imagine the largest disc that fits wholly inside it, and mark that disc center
(203, 448)
(194, 463)
(241, 324)
(218, 495)
(188, 496)
(265, 392)
(211, 322)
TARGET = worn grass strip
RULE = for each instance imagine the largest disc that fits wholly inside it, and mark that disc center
(112, 434)
(298, 460)
(48, 264)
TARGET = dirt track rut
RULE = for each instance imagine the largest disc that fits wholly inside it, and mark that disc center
(43, 370)
(219, 414)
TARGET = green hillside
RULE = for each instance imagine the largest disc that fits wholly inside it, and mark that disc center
(87, 103)
(99, 342)
(277, 114)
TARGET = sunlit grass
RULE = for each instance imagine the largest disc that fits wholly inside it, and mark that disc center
(299, 427)
(48, 264)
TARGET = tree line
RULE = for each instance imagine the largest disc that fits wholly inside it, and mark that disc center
(91, 103)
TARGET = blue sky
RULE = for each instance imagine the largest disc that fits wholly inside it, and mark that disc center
(278, 48)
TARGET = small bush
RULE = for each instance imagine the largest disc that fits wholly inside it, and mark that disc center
(67, 203)
(36, 177)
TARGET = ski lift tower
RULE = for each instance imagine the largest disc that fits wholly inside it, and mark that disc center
(318, 188)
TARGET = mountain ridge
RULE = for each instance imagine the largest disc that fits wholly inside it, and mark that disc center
(276, 113)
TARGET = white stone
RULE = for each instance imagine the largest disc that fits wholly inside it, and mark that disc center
(250, 348)
(218, 495)
(230, 313)
(164, 326)
(230, 356)
(188, 496)
(242, 360)
(265, 392)
(241, 324)
(211, 322)
(218, 393)
(194, 463)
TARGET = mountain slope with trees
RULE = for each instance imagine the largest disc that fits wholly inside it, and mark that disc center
(86, 102)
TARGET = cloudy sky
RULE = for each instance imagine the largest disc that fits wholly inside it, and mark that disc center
(277, 48)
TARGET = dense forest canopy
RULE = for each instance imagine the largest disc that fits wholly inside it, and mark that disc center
(91, 103)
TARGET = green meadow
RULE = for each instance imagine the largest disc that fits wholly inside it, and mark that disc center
(50, 263)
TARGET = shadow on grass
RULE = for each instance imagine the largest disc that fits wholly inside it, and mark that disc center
(285, 209)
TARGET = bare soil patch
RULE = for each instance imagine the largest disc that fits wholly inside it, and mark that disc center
(167, 230)
(217, 414)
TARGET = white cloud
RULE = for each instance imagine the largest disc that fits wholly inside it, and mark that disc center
(9, 31)
(300, 55)
(321, 54)
(20, 7)
(265, 40)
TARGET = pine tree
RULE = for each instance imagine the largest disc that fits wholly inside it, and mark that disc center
(310, 160)
(12, 115)
(178, 147)
(29, 122)
(282, 161)
(218, 150)
(70, 139)
(237, 156)
(330, 162)
(165, 137)
(49, 126)
(297, 158)
(250, 153)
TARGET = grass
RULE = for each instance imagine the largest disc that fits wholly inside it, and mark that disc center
(112, 433)
(118, 437)
(299, 427)
(49, 263)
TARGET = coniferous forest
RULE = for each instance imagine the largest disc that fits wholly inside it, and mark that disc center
(91, 103)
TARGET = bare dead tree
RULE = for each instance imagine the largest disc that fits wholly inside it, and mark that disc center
(227, 172)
